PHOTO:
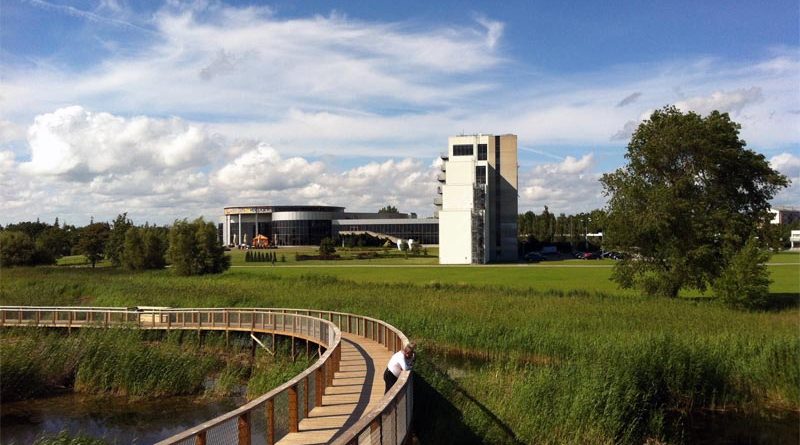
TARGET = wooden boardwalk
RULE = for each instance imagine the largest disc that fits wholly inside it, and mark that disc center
(348, 406)
(357, 388)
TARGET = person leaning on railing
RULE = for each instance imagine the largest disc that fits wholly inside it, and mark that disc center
(401, 361)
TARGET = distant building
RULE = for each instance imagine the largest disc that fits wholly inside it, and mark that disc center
(477, 209)
(293, 225)
(785, 215)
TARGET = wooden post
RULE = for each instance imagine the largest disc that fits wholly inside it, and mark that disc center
(375, 425)
(305, 397)
(293, 422)
(270, 422)
(244, 428)
(320, 387)
(200, 438)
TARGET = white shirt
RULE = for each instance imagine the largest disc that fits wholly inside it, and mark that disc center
(398, 364)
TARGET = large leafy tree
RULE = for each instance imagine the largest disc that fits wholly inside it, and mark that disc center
(194, 248)
(689, 198)
(92, 241)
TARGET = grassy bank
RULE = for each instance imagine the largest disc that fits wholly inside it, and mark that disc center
(570, 360)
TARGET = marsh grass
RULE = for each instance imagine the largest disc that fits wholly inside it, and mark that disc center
(572, 363)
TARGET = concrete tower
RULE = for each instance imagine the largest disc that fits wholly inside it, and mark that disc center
(478, 207)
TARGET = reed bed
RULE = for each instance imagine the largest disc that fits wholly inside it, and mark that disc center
(549, 364)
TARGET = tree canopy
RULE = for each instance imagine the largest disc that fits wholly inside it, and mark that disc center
(388, 209)
(93, 240)
(194, 248)
(689, 198)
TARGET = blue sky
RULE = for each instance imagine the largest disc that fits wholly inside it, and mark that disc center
(177, 109)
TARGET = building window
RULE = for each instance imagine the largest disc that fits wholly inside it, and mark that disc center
(482, 151)
(462, 150)
(480, 174)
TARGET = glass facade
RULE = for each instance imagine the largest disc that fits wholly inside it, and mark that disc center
(308, 225)
(425, 233)
(302, 232)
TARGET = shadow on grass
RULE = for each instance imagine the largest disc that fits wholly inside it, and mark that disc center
(782, 301)
(444, 412)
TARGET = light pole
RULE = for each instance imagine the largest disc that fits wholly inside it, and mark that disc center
(586, 234)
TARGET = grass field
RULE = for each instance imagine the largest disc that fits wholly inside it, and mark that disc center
(548, 353)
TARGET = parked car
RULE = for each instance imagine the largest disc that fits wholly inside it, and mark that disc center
(590, 256)
(534, 257)
(612, 255)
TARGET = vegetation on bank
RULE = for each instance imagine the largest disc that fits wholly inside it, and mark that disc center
(555, 365)
(134, 363)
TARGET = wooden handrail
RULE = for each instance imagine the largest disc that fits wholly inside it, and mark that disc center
(394, 409)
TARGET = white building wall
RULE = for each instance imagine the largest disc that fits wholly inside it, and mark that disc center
(455, 241)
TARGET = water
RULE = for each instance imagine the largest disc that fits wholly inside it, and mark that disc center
(116, 419)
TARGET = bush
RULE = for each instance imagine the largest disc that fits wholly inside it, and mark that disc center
(326, 247)
(744, 283)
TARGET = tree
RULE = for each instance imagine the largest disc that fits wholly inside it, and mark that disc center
(55, 241)
(388, 209)
(194, 248)
(92, 241)
(327, 247)
(116, 239)
(132, 255)
(688, 199)
(16, 248)
(155, 247)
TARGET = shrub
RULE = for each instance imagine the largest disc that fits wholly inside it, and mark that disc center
(744, 283)
(326, 247)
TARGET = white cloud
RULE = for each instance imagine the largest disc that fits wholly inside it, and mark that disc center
(725, 101)
(77, 143)
(494, 30)
(568, 186)
(10, 131)
(253, 92)
(788, 164)
(263, 168)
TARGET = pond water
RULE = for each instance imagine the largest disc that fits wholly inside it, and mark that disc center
(116, 419)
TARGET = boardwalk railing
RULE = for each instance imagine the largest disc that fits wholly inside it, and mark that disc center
(256, 421)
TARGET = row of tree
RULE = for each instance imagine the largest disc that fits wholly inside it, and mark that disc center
(191, 247)
(535, 230)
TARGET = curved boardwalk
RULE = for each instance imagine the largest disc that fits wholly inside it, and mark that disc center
(340, 399)
(357, 389)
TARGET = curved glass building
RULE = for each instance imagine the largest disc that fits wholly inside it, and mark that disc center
(301, 225)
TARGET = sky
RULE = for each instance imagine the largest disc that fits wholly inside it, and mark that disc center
(177, 109)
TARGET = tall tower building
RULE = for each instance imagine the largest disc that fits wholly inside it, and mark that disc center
(478, 204)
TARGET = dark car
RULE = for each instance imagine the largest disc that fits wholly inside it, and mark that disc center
(534, 257)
